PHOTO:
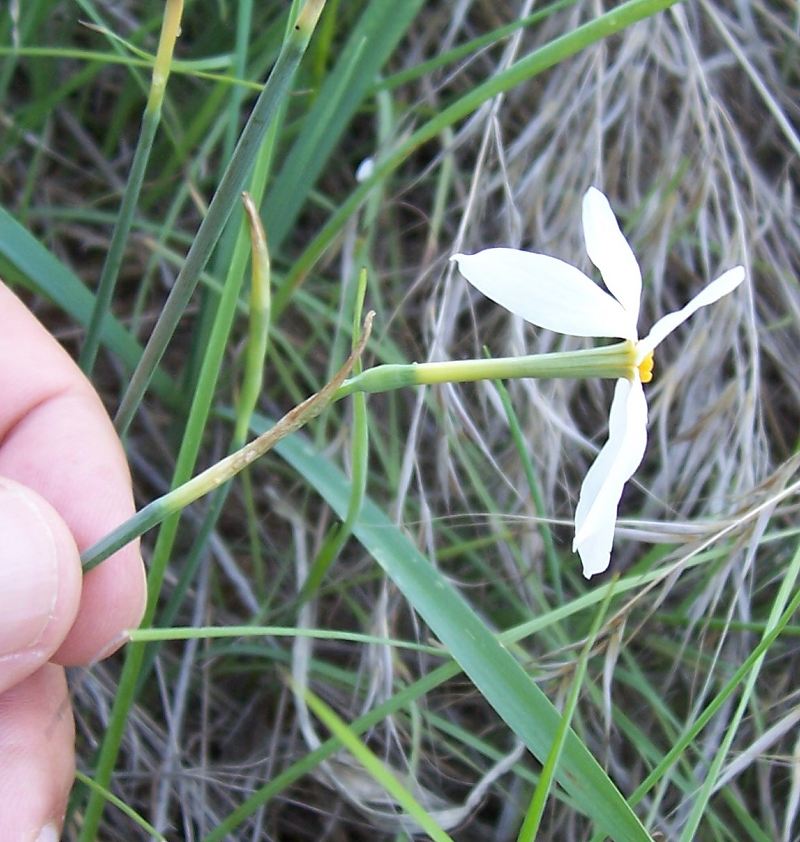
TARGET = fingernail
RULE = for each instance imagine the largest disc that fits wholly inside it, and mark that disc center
(28, 570)
(49, 833)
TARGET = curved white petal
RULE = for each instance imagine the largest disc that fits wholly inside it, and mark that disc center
(596, 512)
(546, 292)
(723, 285)
(609, 251)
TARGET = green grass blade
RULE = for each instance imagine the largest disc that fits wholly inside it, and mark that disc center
(120, 805)
(706, 790)
(533, 818)
(119, 238)
(311, 760)
(375, 767)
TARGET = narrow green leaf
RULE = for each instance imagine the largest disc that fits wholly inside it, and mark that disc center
(375, 766)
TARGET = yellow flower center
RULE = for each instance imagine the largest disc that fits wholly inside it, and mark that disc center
(646, 368)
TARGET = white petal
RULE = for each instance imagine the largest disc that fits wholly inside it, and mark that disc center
(546, 292)
(596, 512)
(609, 251)
(723, 285)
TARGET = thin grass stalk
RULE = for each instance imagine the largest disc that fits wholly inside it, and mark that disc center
(533, 817)
(229, 110)
(337, 537)
(187, 457)
(310, 761)
(156, 635)
(221, 206)
(375, 767)
(151, 119)
(526, 68)
(120, 805)
(468, 48)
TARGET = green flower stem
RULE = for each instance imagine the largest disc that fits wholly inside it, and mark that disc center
(213, 477)
(612, 361)
(230, 186)
(150, 122)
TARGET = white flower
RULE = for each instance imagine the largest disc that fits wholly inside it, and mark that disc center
(552, 294)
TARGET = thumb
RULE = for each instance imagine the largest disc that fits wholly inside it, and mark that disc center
(40, 582)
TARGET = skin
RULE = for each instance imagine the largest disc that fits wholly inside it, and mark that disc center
(64, 484)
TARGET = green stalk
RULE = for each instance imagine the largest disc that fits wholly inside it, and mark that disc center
(338, 536)
(612, 361)
(526, 68)
(533, 817)
(375, 767)
(219, 210)
(150, 122)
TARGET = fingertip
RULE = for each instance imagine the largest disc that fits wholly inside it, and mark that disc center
(112, 602)
(40, 581)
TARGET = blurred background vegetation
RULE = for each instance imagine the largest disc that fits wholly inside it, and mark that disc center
(687, 120)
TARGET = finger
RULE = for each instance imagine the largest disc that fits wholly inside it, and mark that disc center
(57, 439)
(40, 582)
(36, 743)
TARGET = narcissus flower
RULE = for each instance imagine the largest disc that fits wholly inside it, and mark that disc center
(550, 293)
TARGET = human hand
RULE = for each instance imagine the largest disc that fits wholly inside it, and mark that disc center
(64, 484)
